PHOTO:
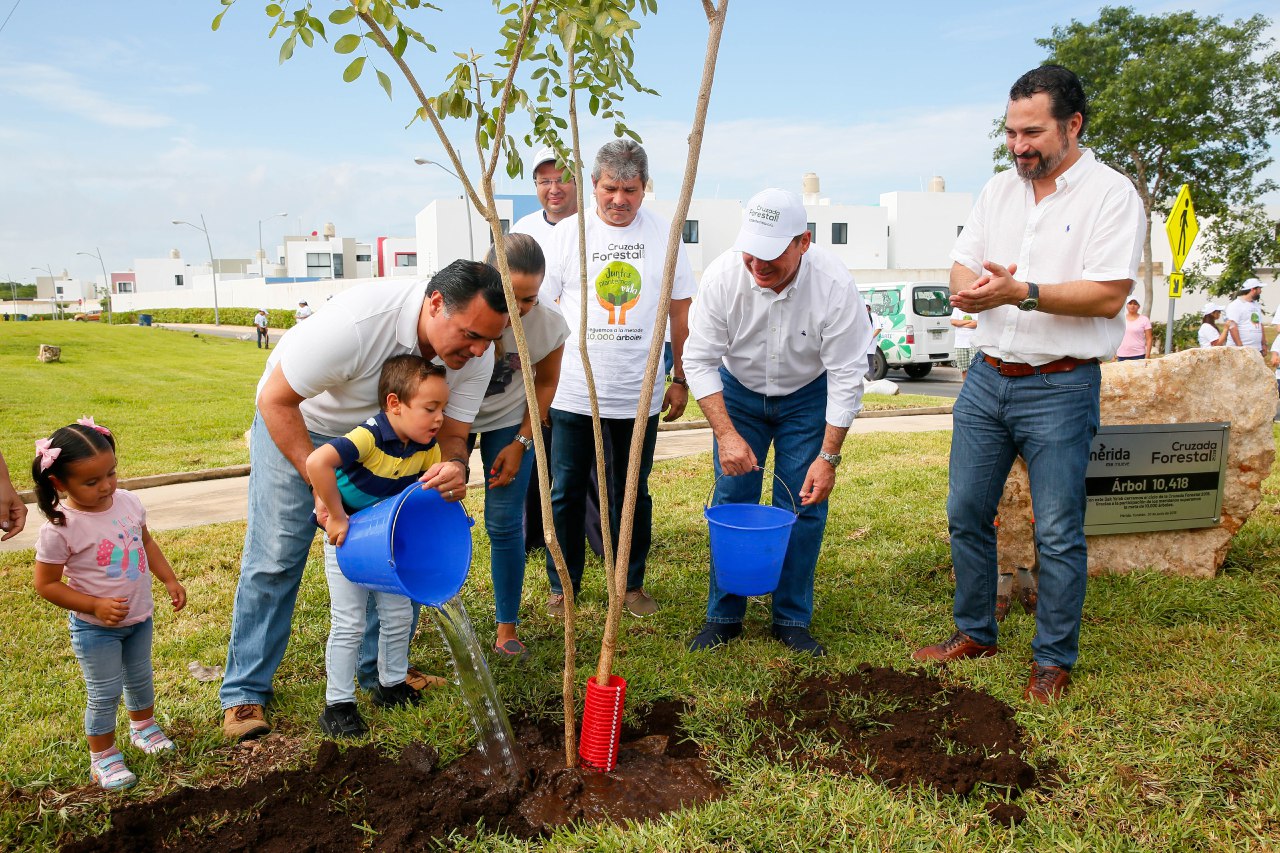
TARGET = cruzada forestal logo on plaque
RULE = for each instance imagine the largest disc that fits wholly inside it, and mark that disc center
(1155, 477)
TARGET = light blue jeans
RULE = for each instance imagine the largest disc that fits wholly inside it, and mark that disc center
(795, 425)
(504, 522)
(276, 543)
(348, 606)
(113, 660)
(1050, 420)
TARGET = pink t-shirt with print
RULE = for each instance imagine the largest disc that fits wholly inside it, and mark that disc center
(103, 554)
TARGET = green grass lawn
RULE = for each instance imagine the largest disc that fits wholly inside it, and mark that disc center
(175, 401)
(1169, 740)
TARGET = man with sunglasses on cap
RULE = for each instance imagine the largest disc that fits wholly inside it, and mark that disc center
(776, 355)
(1049, 254)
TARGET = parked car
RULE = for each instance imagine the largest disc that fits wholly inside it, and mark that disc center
(919, 334)
(89, 315)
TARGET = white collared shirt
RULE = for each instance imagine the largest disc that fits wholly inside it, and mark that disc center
(1091, 227)
(335, 360)
(777, 343)
(536, 226)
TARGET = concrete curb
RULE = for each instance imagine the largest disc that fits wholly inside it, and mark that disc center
(134, 483)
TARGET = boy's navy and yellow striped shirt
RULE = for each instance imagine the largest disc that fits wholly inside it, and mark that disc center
(377, 465)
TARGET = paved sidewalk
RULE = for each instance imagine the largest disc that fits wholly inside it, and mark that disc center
(212, 501)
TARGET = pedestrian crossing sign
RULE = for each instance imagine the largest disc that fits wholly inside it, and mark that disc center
(1175, 285)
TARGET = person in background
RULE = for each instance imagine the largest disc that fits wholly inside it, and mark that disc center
(504, 427)
(964, 324)
(13, 512)
(1245, 316)
(96, 558)
(1136, 343)
(260, 326)
(1209, 336)
(874, 346)
(304, 311)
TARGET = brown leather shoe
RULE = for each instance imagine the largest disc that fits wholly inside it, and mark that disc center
(1047, 684)
(244, 722)
(956, 647)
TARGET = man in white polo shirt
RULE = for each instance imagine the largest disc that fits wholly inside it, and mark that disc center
(1246, 314)
(1071, 231)
(626, 246)
(557, 196)
(776, 355)
(321, 381)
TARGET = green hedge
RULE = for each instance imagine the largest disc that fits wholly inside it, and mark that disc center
(276, 318)
(1185, 332)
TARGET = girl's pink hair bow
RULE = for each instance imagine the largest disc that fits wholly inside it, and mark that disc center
(48, 455)
(88, 421)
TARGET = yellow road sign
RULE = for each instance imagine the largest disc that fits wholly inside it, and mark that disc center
(1175, 285)
(1182, 229)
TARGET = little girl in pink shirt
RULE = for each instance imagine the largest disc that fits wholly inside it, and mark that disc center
(97, 538)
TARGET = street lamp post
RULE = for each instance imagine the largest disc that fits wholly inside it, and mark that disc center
(262, 255)
(213, 267)
(106, 280)
(471, 241)
(52, 281)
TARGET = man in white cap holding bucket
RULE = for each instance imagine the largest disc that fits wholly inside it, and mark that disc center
(776, 355)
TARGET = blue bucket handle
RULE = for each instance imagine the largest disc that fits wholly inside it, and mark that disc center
(707, 503)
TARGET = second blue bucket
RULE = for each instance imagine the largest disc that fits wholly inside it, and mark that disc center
(748, 545)
(416, 544)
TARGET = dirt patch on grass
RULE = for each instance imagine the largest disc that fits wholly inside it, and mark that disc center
(348, 799)
(903, 729)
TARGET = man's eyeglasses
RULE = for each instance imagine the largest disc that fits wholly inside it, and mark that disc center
(546, 182)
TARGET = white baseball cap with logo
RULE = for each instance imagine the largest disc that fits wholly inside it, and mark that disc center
(772, 220)
(546, 155)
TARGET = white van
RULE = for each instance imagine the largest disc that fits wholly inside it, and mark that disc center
(918, 331)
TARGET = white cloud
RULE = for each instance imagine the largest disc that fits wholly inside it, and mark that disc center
(60, 90)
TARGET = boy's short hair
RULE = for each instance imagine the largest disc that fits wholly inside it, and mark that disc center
(402, 374)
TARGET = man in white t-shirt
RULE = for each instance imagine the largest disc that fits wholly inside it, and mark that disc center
(964, 324)
(776, 357)
(1245, 312)
(1049, 254)
(260, 326)
(626, 246)
(320, 381)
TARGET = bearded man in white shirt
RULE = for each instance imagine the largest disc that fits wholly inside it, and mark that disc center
(776, 355)
(1070, 229)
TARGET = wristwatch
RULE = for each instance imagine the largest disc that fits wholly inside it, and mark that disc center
(1032, 302)
(679, 380)
(525, 441)
(833, 458)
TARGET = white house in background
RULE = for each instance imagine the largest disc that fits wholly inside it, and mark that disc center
(443, 235)
(324, 256)
(396, 257)
(64, 288)
(923, 225)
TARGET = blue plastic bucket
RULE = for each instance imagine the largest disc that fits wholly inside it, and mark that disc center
(748, 545)
(415, 544)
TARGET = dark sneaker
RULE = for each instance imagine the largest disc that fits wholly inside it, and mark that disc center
(956, 647)
(798, 640)
(343, 720)
(395, 696)
(244, 722)
(715, 634)
(1047, 684)
(512, 650)
(640, 603)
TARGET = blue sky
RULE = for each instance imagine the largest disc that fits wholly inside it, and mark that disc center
(120, 117)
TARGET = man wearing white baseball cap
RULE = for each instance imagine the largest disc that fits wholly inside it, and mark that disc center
(776, 355)
(557, 194)
(1246, 315)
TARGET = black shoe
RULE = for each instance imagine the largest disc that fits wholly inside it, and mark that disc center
(343, 720)
(715, 634)
(798, 640)
(395, 696)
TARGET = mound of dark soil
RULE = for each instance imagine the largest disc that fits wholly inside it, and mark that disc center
(347, 799)
(902, 729)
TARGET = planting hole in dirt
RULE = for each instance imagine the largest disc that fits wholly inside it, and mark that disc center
(351, 798)
(901, 729)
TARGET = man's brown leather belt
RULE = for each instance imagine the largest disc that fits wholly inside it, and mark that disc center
(1015, 368)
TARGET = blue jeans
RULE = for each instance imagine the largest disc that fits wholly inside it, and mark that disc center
(795, 425)
(572, 459)
(504, 522)
(276, 543)
(113, 660)
(1050, 420)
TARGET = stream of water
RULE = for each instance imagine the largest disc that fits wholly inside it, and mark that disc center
(496, 740)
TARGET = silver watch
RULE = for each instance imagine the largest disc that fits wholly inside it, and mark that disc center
(525, 441)
(833, 458)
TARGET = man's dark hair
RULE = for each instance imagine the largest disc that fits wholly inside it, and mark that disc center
(1066, 94)
(402, 374)
(523, 255)
(461, 281)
